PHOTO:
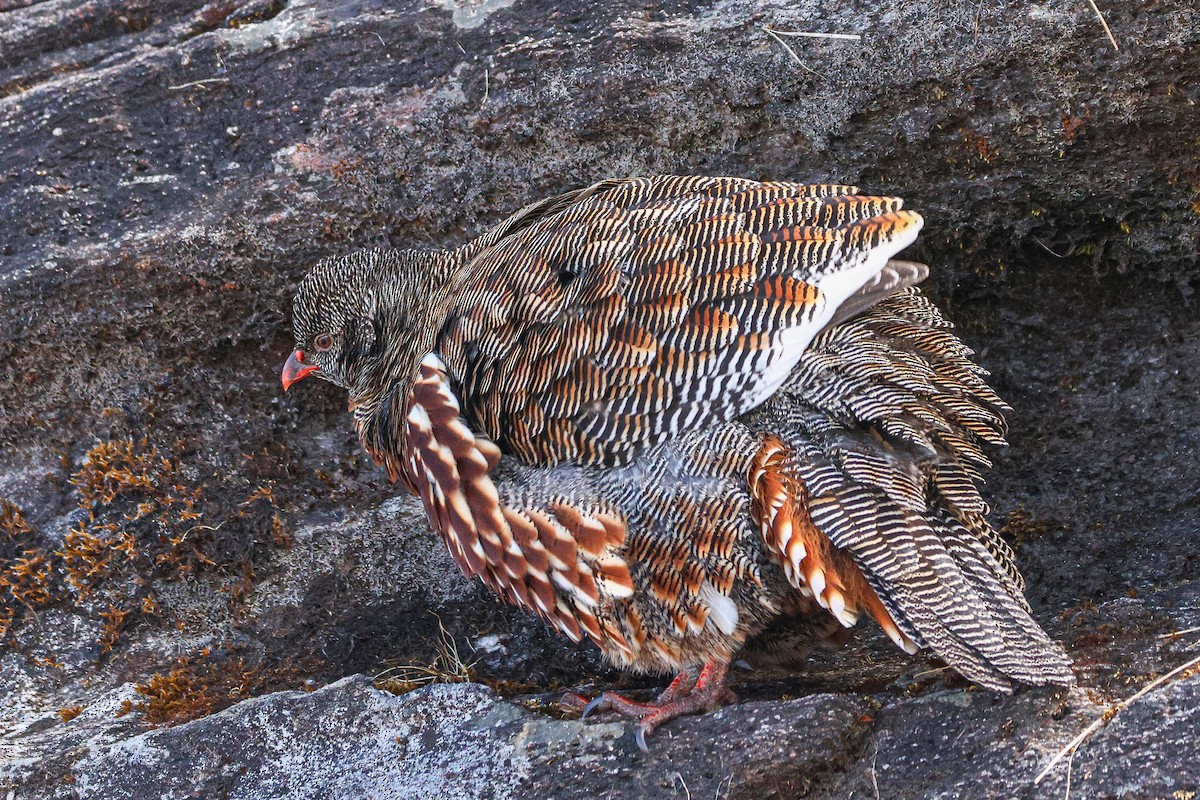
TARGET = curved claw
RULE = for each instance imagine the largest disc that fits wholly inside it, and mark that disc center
(594, 705)
(640, 737)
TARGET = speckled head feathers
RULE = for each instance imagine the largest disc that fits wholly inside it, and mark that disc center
(333, 315)
(352, 314)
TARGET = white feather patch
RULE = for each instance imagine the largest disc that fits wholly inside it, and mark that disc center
(616, 591)
(419, 417)
(835, 288)
(816, 582)
(838, 286)
(837, 606)
(722, 611)
(433, 362)
(904, 643)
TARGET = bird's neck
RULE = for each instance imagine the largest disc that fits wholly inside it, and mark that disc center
(416, 290)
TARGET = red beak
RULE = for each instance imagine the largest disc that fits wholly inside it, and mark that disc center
(294, 369)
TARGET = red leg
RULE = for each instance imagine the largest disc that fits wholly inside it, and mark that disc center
(691, 692)
(611, 701)
(709, 694)
(680, 687)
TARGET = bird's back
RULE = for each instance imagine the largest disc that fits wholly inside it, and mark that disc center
(593, 325)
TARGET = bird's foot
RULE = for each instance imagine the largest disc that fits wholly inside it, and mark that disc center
(689, 693)
(611, 701)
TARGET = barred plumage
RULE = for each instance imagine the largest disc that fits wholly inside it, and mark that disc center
(661, 412)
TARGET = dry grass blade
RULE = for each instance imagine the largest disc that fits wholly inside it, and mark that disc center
(930, 672)
(852, 37)
(447, 667)
(1177, 634)
(203, 83)
(787, 47)
(1046, 247)
(1110, 713)
(1107, 31)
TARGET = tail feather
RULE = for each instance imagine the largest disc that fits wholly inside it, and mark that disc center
(942, 588)
(1025, 652)
(894, 276)
(886, 418)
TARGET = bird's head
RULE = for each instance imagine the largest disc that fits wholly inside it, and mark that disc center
(361, 321)
(334, 318)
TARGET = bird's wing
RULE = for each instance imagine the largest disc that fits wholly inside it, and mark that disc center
(594, 325)
(894, 277)
(557, 556)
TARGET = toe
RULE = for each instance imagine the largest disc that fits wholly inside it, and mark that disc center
(573, 702)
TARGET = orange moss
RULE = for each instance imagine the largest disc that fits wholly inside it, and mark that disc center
(26, 575)
(177, 696)
(260, 493)
(29, 579)
(88, 558)
(205, 682)
(281, 535)
(47, 661)
(112, 469)
(146, 519)
(119, 469)
(114, 623)
(12, 521)
(70, 712)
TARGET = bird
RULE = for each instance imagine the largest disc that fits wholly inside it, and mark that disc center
(665, 412)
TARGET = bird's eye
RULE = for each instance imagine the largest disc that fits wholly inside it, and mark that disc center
(323, 342)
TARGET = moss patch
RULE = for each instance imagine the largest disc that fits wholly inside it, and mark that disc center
(142, 517)
(208, 681)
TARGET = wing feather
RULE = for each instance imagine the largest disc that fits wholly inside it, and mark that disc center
(602, 322)
(557, 556)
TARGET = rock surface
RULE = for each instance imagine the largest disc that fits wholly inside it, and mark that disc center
(176, 537)
(349, 739)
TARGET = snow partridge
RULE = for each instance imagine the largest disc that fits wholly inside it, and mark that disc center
(664, 412)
